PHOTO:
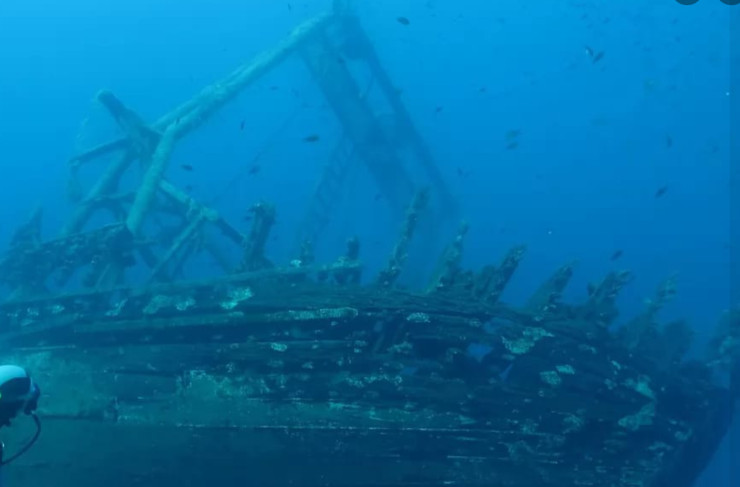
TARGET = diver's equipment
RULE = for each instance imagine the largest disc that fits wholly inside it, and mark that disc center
(18, 393)
(26, 447)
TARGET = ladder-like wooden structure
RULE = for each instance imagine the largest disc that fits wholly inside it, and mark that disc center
(328, 44)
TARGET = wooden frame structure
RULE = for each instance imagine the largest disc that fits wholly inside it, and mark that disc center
(326, 44)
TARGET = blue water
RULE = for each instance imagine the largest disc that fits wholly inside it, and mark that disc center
(597, 140)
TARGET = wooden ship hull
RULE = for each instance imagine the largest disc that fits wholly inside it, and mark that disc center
(309, 375)
(294, 383)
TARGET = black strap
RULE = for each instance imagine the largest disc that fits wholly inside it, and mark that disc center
(27, 445)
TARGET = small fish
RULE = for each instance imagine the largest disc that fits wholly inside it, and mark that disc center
(340, 60)
(482, 89)
(187, 167)
(589, 51)
(668, 141)
(513, 134)
(274, 88)
(255, 169)
(378, 197)
(177, 122)
(462, 172)
(504, 375)
(649, 85)
(438, 109)
(599, 55)
(616, 255)
(403, 20)
(290, 8)
(590, 288)
(189, 188)
(241, 125)
(661, 191)
(512, 145)
(311, 138)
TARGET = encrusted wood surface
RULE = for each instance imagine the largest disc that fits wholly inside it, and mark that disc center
(348, 386)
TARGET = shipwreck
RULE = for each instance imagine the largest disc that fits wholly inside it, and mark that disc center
(317, 374)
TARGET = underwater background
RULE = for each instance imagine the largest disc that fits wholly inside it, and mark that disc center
(596, 131)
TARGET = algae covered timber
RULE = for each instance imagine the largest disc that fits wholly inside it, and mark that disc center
(356, 384)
